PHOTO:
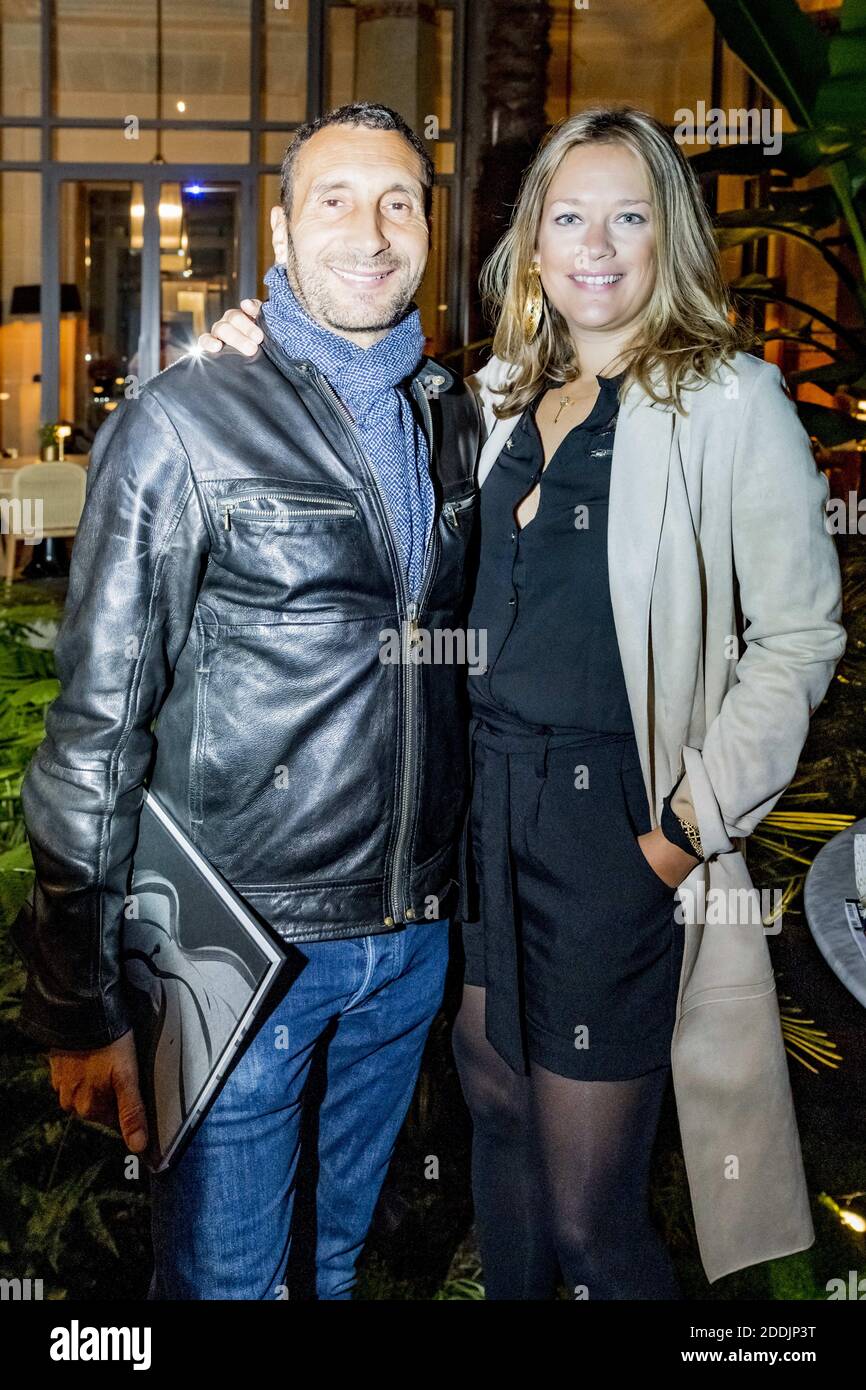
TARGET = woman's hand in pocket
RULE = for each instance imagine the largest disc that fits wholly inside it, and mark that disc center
(671, 863)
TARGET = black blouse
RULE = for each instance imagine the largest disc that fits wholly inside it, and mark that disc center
(542, 593)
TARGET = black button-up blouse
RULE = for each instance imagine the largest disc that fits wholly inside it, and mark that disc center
(542, 593)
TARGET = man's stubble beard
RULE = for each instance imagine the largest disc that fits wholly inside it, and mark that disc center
(311, 287)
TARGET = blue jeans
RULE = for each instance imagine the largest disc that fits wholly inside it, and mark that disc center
(222, 1217)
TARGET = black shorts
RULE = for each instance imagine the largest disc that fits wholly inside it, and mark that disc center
(577, 942)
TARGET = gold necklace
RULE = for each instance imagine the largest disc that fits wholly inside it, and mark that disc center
(563, 402)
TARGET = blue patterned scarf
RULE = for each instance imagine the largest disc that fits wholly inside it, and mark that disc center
(365, 380)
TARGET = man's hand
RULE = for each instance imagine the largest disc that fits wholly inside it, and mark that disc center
(669, 861)
(102, 1085)
(237, 328)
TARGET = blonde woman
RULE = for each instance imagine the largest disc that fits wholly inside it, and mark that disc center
(661, 603)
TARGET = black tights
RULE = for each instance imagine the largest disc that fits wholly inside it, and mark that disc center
(560, 1172)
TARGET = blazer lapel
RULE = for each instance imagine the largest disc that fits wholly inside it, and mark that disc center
(499, 432)
(640, 466)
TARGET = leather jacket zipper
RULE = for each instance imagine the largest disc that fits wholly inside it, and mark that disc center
(452, 510)
(322, 506)
(410, 611)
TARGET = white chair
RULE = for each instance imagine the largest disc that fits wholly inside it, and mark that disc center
(57, 488)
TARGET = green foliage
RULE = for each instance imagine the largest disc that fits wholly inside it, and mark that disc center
(794, 1278)
(27, 686)
(460, 1289)
(820, 80)
(65, 1207)
(62, 1212)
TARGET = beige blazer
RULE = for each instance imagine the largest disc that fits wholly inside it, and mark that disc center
(726, 495)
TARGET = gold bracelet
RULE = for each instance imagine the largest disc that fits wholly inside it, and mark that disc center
(693, 835)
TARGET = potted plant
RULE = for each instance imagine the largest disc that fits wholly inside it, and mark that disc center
(820, 80)
(47, 443)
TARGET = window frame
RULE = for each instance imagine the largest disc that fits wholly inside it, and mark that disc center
(54, 172)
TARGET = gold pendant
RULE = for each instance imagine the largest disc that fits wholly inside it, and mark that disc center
(563, 402)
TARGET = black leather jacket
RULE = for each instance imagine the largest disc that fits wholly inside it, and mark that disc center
(232, 573)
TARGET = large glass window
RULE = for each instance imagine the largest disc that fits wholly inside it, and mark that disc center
(20, 323)
(22, 143)
(402, 55)
(284, 93)
(106, 59)
(19, 58)
(656, 57)
(206, 59)
(210, 95)
(398, 54)
(118, 144)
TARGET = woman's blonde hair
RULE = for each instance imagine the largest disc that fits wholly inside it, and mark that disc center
(686, 329)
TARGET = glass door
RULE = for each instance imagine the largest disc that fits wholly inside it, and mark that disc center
(145, 262)
(198, 261)
(100, 297)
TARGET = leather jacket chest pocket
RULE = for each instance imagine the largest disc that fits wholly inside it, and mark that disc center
(457, 532)
(304, 546)
(294, 508)
(460, 512)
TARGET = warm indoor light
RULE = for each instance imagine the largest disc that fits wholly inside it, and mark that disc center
(170, 211)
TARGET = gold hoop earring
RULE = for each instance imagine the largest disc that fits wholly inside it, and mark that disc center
(533, 304)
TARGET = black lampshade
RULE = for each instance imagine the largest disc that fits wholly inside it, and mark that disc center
(27, 299)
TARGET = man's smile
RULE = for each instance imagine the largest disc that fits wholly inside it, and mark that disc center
(363, 277)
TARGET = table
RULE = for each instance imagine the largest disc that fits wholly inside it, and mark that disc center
(829, 882)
